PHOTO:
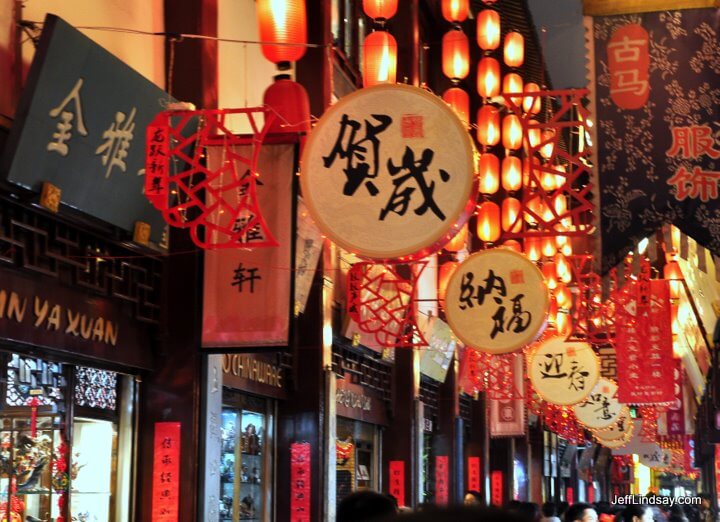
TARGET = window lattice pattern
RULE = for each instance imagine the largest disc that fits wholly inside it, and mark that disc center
(95, 388)
(27, 373)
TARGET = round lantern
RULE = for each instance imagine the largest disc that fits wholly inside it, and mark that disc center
(514, 49)
(531, 104)
(459, 101)
(289, 100)
(511, 221)
(488, 29)
(560, 204)
(380, 58)
(458, 241)
(489, 173)
(512, 84)
(488, 222)
(455, 10)
(380, 10)
(528, 180)
(446, 270)
(455, 55)
(488, 126)
(533, 133)
(511, 173)
(672, 272)
(602, 408)
(488, 77)
(512, 132)
(282, 22)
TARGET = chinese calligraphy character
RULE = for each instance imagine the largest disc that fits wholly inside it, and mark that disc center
(64, 126)
(166, 460)
(244, 275)
(693, 142)
(117, 138)
(167, 443)
(254, 233)
(165, 477)
(468, 292)
(552, 366)
(577, 376)
(628, 79)
(698, 183)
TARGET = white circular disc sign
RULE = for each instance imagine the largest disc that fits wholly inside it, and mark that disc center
(563, 372)
(388, 172)
(602, 408)
(620, 429)
(497, 301)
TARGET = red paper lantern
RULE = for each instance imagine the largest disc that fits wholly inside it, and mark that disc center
(488, 77)
(380, 9)
(548, 139)
(282, 22)
(549, 271)
(533, 248)
(455, 10)
(673, 272)
(514, 49)
(511, 173)
(549, 247)
(459, 101)
(563, 296)
(380, 58)
(488, 222)
(531, 104)
(488, 123)
(489, 173)
(488, 29)
(459, 241)
(512, 84)
(455, 55)
(564, 271)
(289, 100)
(511, 221)
(512, 244)
(512, 132)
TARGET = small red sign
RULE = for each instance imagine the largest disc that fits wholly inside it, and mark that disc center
(496, 488)
(411, 126)
(442, 476)
(629, 64)
(570, 496)
(166, 472)
(397, 481)
(300, 482)
(474, 474)
(517, 277)
(717, 472)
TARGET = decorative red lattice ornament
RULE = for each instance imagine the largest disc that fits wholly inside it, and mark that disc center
(216, 198)
(494, 374)
(561, 420)
(381, 301)
(648, 432)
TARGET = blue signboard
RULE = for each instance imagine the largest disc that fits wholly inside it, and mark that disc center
(81, 126)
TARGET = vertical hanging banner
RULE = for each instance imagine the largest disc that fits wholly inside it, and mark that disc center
(166, 472)
(442, 479)
(717, 472)
(643, 344)
(496, 488)
(300, 485)
(507, 416)
(657, 97)
(308, 247)
(397, 480)
(247, 290)
(474, 474)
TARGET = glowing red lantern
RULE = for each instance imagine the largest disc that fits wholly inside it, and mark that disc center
(564, 271)
(489, 173)
(533, 248)
(488, 126)
(562, 323)
(513, 245)
(289, 100)
(380, 58)
(455, 10)
(511, 221)
(459, 241)
(488, 77)
(512, 132)
(488, 29)
(488, 222)
(531, 104)
(512, 84)
(563, 296)
(549, 247)
(514, 49)
(528, 165)
(548, 270)
(673, 272)
(380, 9)
(548, 140)
(282, 22)
(459, 101)
(455, 55)
(547, 178)
(511, 173)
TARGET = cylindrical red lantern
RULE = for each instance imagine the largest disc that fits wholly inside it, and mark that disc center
(282, 22)
(289, 100)
(488, 222)
(531, 104)
(488, 77)
(673, 272)
(511, 173)
(562, 323)
(455, 10)
(488, 126)
(533, 248)
(547, 178)
(380, 58)
(549, 272)
(458, 242)
(511, 220)
(528, 180)
(514, 49)
(512, 132)
(513, 84)
(549, 248)
(455, 55)
(488, 29)
(489, 173)
(380, 9)
(548, 139)
(512, 244)
(563, 296)
(459, 101)
(564, 271)
(446, 270)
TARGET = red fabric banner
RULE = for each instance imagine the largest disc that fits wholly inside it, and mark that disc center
(675, 414)
(397, 481)
(644, 344)
(474, 474)
(300, 486)
(717, 472)
(166, 472)
(570, 496)
(496, 488)
(442, 477)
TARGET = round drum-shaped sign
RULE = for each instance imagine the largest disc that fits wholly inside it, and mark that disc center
(622, 428)
(563, 372)
(388, 172)
(497, 301)
(613, 444)
(656, 457)
(601, 409)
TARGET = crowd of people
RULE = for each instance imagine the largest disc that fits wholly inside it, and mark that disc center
(369, 506)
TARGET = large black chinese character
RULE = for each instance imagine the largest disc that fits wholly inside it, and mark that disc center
(244, 275)
(520, 318)
(415, 170)
(359, 167)
(552, 366)
(577, 376)
(469, 292)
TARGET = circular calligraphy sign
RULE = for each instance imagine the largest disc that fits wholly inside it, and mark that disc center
(388, 172)
(614, 444)
(563, 372)
(497, 301)
(656, 457)
(621, 428)
(601, 409)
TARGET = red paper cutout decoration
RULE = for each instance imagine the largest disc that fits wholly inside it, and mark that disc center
(220, 205)
(562, 421)
(492, 374)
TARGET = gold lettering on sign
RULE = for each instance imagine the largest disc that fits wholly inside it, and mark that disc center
(353, 400)
(247, 367)
(13, 308)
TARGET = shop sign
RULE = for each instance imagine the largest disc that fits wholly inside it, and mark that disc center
(254, 373)
(300, 482)
(442, 479)
(81, 126)
(388, 172)
(166, 472)
(620, 429)
(353, 400)
(435, 359)
(397, 480)
(563, 372)
(508, 416)
(474, 474)
(658, 458)
(356, 402)
(497, 301)
(602, 408)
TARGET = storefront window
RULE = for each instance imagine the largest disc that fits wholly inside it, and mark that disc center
(356, 457)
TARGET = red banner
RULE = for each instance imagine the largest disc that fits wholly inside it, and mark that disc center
(675, 414)
(166, 472)
(644, 344)
(570, 496)
(300, 487)
(474, 474)
(496, 488)
(717, 472)
(397, 481)
(629, 64)
(442, 477)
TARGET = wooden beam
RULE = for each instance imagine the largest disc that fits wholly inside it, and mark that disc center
(616, 7)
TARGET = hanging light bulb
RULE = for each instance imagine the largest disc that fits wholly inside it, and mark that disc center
(282, 22)
(380, 10)
(511, 221)
(455, 11)
(512, 132)
(514, 49)
(488, 77)
(488, 29)
(489, 173)
(380, 58)
(455, 55)
(532, 104)
(488, 126)
(459, 101)
(488, 222)
(459, 241)
(550, 274)
(511, 173)
(533, 249)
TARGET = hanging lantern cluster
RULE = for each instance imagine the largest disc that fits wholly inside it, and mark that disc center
(379, 47)
(456, 57)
